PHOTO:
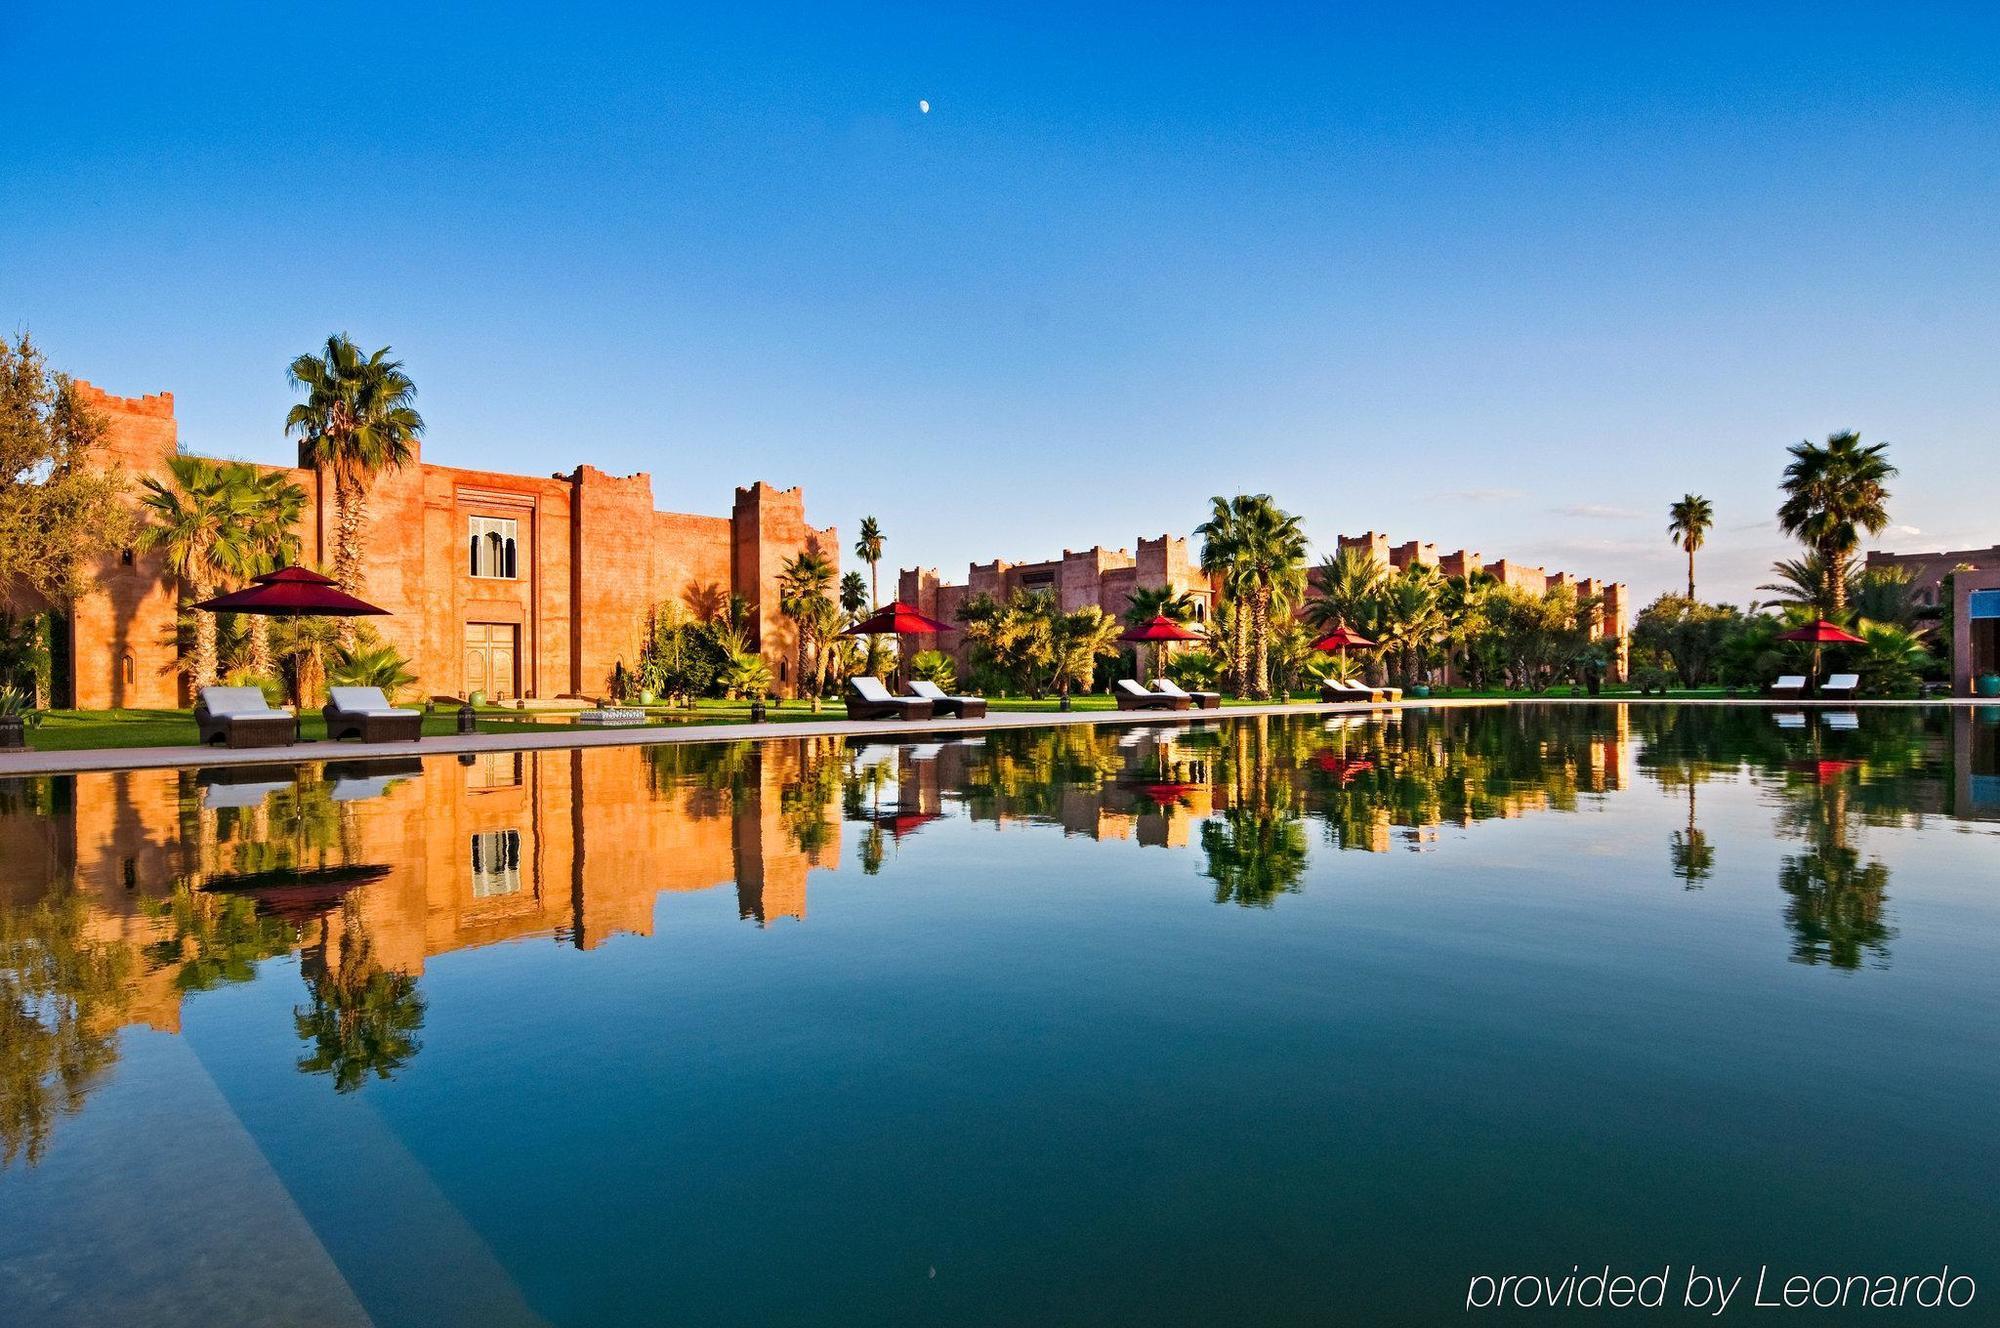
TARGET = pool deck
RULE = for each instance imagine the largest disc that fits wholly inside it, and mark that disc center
(147, 758)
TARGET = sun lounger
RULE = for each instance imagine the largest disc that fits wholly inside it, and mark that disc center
(867, 698)
(965, 707)
(1792, 684)
(1131, 696)
(1790, 719)
(1332, 689)
(1841, 721)
(365, 713)
(1202, 700)
(1841, 684)
(241, 717)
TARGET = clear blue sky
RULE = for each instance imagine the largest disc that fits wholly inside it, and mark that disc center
(1488, 275)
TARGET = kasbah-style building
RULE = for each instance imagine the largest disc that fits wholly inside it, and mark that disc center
(1106, 578)
(514, 585)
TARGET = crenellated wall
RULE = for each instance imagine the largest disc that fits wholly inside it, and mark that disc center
(593, 558)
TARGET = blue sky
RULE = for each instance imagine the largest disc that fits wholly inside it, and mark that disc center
(1505, 277)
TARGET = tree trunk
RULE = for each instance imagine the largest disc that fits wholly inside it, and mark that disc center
(350, 498)
(1239, 629)
(1260, 639)
(1690, 574)
(202, 663)
(257, 648)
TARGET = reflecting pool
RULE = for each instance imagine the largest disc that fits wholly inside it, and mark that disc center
(1295, 1021)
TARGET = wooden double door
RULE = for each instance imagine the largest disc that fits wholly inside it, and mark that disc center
(493, 659)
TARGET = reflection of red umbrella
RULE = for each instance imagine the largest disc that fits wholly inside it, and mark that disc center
(1342, 638)
(899, 824)
(1824, 770)
(292, 592)
(1823, 633)
(898, 619)
(1342, 768)
(1166, 793)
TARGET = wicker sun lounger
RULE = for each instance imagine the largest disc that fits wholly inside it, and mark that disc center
(867, 698)
(241, 717)
(1131, 696)
(965, 707)
(365, 713)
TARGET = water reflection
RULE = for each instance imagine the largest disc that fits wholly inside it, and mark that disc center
(122, 895)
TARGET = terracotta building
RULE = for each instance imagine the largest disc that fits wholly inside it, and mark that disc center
(1974, 608)
(1099, 577)
(514, 585)
(1614, 625)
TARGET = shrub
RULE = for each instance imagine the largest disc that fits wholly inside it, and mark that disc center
(1196, 670)
(377, 665)
(747, 676)
(934, 666)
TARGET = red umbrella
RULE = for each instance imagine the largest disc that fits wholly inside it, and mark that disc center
(898, 619)
(1342, 638)
(1157, 633)
(1161, 628)
(1823, 633)
(292, 592)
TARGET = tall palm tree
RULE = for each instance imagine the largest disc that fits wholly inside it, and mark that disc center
(1693, 517)
(275, 505)
(1222, 558)
(868, 549)
(196, 519)
(1272, 559)
(357, 421)
(805, 595)
(1832, 495)
(853, 595)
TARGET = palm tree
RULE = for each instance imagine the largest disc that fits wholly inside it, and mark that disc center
(1272, 558)
(276, 505)
(197, 521)
(805, 595)
(1693, 517)
(357, 421)
(1077, 641)
(869, 550)
(1221, 557)
(1806, 584)
(1832, 495)
(853, 596)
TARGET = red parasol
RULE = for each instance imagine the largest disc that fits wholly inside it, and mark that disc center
(1161, 628)
(1341, 638)
(292, 592)
(1823, 633)
(898, 619)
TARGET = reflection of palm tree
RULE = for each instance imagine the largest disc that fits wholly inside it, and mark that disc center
(1254, 856)
(1836, 899)
(1693, 856)
(363, 1017)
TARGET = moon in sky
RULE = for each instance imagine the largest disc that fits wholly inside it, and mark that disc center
(924, 106)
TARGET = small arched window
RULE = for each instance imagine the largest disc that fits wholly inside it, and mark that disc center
(509, 571)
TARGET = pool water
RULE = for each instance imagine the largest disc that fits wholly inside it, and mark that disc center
(1297, 1021)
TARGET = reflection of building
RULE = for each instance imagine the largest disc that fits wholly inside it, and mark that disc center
(513, 585)
(1095, 577)
(573, 845)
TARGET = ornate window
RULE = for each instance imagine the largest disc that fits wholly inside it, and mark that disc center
(492, 548)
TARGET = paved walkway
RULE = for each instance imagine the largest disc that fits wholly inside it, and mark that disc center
(144, 758)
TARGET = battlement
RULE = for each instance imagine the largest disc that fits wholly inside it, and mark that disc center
(153, 405)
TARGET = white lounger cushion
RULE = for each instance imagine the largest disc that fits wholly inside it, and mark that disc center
(1131, 688)
(362, 701)
(869, 688)
(929, 691)
(1842, 682)
(1791, 682)
(236, 702)
(1168, 687)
